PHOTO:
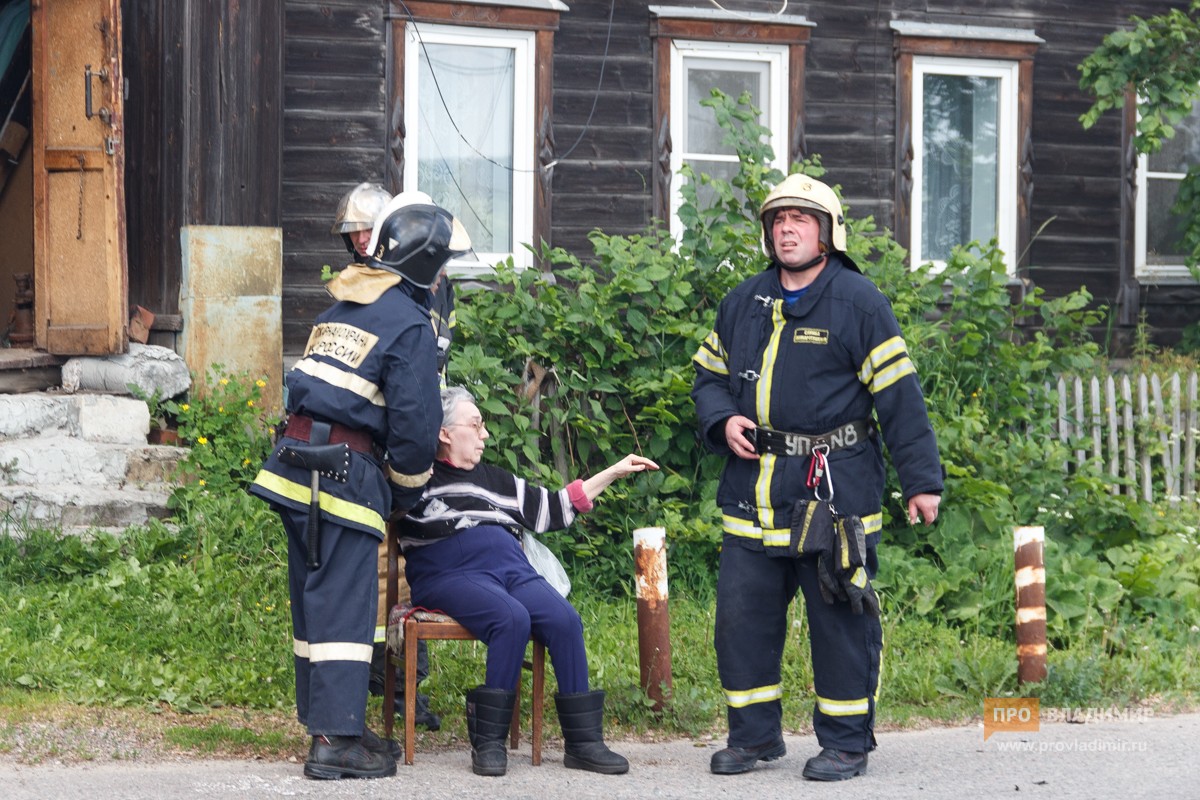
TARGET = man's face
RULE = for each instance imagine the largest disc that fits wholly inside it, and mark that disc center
(360, 240)
(796, 235)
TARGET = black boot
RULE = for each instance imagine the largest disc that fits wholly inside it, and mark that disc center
(582, 719)
(489, 713)
(334, 757)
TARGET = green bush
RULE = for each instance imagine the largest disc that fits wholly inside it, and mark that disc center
(580, 363)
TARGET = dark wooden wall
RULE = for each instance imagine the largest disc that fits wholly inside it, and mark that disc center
(335, 132)
(204, 131)
(334, 138)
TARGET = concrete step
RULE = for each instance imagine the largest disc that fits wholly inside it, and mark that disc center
(81, 461)
(78, 508)
(59, 459)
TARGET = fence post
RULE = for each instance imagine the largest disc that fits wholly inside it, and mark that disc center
(653, 616)
(1031, 603)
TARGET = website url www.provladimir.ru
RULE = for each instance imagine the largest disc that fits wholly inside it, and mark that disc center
(1076, 746)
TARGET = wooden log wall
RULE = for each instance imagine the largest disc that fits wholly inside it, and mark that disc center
(203, 129)
(335, 133)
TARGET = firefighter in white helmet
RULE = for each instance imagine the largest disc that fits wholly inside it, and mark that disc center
(356, 216)
(804, 356)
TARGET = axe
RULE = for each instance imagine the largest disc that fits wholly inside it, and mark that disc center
(330, 460)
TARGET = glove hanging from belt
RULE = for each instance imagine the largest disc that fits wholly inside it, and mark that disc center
(837, 541)
(850, 572)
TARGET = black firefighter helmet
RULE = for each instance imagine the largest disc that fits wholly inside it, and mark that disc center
(415, 240)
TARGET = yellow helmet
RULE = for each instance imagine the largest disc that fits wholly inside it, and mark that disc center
(801, 191)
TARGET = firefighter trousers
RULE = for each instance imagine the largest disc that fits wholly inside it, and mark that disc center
(754, 591)
(333, 624)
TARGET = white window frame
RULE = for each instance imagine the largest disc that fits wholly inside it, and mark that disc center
(1006, 162)
(776, 59)
(523, 44)
(1153, 273)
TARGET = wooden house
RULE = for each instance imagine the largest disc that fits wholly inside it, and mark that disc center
(539, 120)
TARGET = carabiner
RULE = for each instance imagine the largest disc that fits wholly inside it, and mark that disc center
(818, 468)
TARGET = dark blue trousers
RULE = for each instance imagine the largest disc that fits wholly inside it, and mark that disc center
(754, 591)
(333, 624)
(482, 578)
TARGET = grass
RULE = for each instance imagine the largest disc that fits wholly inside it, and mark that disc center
(157, 643)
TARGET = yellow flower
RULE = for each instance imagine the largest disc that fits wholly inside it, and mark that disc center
(260, 383)
(184, 407)
(224, 381)
(245, 462)
(250, 403)
(270, 431)
(220, 409)
(202, 483)
(201, 440)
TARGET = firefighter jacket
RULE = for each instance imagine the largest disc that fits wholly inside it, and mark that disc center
(831, 358)
(370, 365)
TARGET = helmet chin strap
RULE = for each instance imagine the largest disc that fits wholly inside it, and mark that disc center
(807, 265)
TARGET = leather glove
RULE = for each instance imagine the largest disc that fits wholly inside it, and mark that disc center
(813, 537)
(850, 554)
(856, 588)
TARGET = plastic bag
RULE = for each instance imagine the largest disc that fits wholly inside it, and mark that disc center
(543, 560)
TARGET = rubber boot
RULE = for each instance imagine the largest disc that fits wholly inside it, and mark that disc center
(582, 719)
(489, 713)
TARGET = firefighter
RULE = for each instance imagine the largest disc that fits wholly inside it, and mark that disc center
(801, 355)
(355, 215)
(358, 447)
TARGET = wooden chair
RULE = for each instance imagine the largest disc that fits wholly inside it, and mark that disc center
(420, 625)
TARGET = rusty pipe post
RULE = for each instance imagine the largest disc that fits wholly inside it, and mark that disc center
(1031, 603)
(653, 616)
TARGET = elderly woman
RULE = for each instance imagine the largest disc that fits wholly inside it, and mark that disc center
(463, 556)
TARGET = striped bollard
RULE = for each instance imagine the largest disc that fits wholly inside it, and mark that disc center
(1031, 603)
(653, 617)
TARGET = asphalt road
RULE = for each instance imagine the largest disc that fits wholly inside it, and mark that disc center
(1132, 758)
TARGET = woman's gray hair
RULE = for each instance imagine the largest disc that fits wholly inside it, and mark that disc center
(452, 398)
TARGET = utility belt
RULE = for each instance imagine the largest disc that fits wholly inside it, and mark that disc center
(301, 427)
(782, 443)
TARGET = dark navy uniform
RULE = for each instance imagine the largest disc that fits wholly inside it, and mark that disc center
(831, 358)
(370, 368)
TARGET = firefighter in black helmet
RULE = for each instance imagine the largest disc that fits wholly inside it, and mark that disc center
(399, 243)
(367, 387)
(802, 360)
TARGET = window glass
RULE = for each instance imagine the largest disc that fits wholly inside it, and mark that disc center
(965, 155)
(468, 114)
(960, 152)
(1160, 231)
(466, 155)
(696, 69)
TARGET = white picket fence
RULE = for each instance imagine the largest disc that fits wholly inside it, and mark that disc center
(1141, 428)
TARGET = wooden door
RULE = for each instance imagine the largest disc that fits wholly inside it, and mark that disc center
(80, 275)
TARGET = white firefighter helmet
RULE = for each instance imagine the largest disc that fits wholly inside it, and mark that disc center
(804, 192)
(358, 209)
